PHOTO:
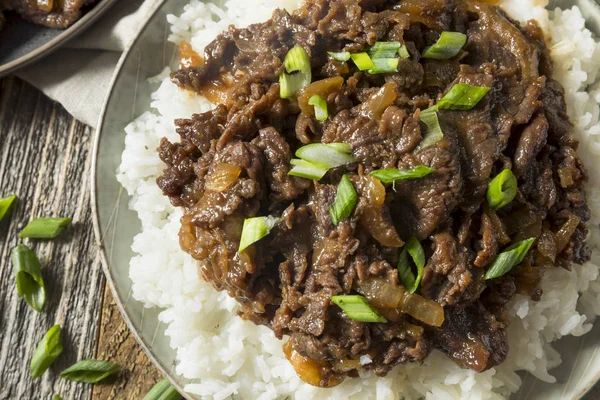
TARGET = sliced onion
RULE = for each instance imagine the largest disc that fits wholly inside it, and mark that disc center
(565, 232)
(322, 88)
(314, 372)
(375, 106)
(222, 177)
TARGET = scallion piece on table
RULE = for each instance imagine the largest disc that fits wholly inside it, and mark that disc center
(462, 97)
(502, 189)
(407, 277)
(255, 229)
(57, 397)
(391, 175)
(434, 131)
(340, 56)
(510, 257)
(403, 52)
(297, 74)
(324, 155)
(89, 371)
(345, 201)
(47, 350)
(384, 50)
(163, 390)
(447, 46)
(305, 169)
(384, 66)
(28, 274)
(6, 204)
(45, 228)
(320, 107)
(357, 308)
(362, 61)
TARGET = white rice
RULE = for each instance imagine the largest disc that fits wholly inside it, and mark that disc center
(224, 355)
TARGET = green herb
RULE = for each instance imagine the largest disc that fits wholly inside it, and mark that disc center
(255, 229)
(320, 107)
(305, 169)
(357, 308)
(462, 97)
(345, 201)
(434, 131)
(296, 60)
(384, 66)
(384, 50)
(47, 350)
(341, 56)
(163, 391)
(502, 189)
(403, 52)
(28, 273)
(447, 46)
(391, 175)
(415, 250)
(89, 371)
(324, 156)
(45, 228)
(6, 204)
(57, 397)
(362, 61)
(510, 257)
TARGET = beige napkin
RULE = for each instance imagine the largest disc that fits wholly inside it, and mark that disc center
(79, 74)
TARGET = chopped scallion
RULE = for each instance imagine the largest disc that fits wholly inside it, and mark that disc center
(28, 271)
(403, 52)
(447, 46)
(57, 397)
(320, 107)
(47, 350)
(6, 204)
(357, 308)
(415, 250)
(434, 133)
(324, 156)
(305, 169)
(391, 175)
(297, 74)
(89, 371)
(384, 66)
(510, 257)
(345, 201)
(162, 391)
(340, 56)
(362, 61)
(45, 228)
(343, 147)
(462, 97)
(384, 50)
(502, 189)
(255, 229)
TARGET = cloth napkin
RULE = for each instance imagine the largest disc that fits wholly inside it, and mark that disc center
(79, 74)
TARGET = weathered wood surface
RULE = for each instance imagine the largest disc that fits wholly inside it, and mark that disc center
(45, 157)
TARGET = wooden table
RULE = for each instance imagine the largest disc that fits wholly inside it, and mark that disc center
(45, 158)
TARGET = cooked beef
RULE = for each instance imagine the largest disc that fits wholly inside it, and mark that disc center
(233, 163)
(51, 13)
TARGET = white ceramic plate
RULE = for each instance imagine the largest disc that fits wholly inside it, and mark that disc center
(116, 225)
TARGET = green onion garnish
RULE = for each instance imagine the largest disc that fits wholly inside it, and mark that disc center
(45, 228)
(320, 107)
(447, 46)
(462, 97)
(403, 52)
(345, 201)
(502, 189)
(162, 391)
(305, 169)
(434, 131)
(510, 257)
(362, 61)
(357, 308)
(341, 56)
(384, 66)
(415, 250)
(391, 175)
(255, 229)
(28, 271)
(47, 350)
(343, 147)
(296, 60)
(324, 155)
(6, 204)
(384, 50)
(57, 397)
(89, 371)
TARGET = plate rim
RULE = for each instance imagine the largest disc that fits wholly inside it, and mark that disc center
(55, 43)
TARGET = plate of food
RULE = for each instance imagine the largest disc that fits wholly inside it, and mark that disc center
(31, 29)
(357, 199)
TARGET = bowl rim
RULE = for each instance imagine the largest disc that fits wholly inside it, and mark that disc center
(62, 38)
(96, 217)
